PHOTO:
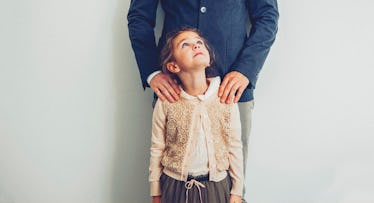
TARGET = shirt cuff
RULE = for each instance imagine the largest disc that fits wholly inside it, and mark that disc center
(155, 188)
(237, 188)
(151, 76)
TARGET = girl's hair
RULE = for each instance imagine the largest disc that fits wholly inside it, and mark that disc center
(167, 52)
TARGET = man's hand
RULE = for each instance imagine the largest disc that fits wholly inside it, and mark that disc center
(235, 199)
(156, 199)
(232, 86)
(165, 87)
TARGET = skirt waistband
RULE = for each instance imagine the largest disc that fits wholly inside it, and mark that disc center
(198, 178)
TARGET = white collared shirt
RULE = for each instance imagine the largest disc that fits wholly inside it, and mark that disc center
(199, 160)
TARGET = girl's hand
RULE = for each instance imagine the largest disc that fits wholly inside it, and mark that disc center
(156, 199)
(235, 199)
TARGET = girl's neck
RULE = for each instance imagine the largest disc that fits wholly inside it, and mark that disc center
(194, 84)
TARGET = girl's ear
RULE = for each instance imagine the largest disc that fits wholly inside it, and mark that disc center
(172, 67)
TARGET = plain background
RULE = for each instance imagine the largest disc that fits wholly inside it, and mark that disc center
(75, 122)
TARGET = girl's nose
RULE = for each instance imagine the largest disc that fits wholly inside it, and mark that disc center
(196, 46)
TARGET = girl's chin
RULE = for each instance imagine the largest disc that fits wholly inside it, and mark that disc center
(203, 64)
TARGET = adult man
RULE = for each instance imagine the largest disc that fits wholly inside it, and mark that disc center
(224, 24)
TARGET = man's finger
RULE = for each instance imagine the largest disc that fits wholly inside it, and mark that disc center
(224, 95)
(171, 91)
(166, 94)
(227, 90)
(222, 87)
(175, 86)
(160, 96)
(239, 94)
(231, 96)
(156, 91)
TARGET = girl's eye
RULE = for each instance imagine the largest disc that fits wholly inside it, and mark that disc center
(184, 44)
(199, 42)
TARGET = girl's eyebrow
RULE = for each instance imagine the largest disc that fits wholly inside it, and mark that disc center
(185, 39)
(180, 41)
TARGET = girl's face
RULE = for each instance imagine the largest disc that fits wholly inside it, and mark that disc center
(190, 52)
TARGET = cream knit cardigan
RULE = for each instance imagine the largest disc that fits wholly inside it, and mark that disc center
(174, 127)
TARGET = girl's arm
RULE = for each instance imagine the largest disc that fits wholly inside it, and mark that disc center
(157, 148)
(236, 152)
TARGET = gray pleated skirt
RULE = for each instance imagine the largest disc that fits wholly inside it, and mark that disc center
(174, 191)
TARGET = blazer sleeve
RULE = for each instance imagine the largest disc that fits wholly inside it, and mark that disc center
(263, 15)
(157, 148)
(236, 152)
(141, 19)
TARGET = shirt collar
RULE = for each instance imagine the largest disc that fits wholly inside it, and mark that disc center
(212, 89)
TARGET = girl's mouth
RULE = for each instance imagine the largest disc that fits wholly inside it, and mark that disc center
(198, 53)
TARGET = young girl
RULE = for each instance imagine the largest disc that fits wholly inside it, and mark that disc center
(196, 150)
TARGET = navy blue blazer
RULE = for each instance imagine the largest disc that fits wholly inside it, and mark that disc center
(224, 23)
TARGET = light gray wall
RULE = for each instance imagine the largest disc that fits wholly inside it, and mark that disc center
(75, 122)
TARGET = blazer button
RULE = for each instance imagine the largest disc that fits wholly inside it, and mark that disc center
(203, 9)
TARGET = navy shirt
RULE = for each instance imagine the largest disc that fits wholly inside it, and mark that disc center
(223, 23)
